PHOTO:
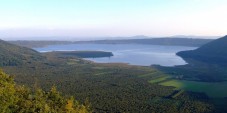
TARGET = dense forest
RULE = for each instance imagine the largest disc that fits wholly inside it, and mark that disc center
(20, 99)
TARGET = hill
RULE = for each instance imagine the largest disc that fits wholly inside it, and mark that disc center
(13, 55)
(213, 52)
(36, 44)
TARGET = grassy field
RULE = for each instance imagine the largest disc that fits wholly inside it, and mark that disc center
(212, 89)
(160, 79)
(215, 90)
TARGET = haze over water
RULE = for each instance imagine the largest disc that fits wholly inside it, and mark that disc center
(133, 54)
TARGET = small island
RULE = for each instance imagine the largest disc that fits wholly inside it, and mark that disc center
(83, 54)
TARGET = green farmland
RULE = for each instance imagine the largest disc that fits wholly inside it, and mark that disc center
(212, 89)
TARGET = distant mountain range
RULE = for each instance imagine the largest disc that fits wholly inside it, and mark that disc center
(197, 37)
(193, 41)
(168, 41)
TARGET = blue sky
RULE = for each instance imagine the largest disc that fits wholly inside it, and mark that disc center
(110, 18)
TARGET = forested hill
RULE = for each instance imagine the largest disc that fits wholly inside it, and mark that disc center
(13, 55)
(213, 52)
(35, 44)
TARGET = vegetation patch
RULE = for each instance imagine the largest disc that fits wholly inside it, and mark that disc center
(160, 79)
(83, 54)
(215, 90)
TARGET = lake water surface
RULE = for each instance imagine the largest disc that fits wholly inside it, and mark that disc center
(133, 54)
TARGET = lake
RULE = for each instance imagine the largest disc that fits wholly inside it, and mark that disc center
(133, 54)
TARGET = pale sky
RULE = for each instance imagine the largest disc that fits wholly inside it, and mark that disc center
(110, 18)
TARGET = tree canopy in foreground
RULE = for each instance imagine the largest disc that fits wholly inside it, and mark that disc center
(19, 99)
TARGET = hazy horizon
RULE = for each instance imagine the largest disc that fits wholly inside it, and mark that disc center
(65, 38)
(99, 19)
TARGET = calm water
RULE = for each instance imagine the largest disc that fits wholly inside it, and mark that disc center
(133, 54)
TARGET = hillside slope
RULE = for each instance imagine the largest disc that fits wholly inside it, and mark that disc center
(214, 52)
(12, 55)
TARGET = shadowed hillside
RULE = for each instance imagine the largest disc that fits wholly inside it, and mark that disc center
(214, 52)
(12, 55)
(207, 63)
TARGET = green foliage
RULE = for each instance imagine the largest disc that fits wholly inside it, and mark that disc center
(214, 90)
(7, 92)
(15, 98)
